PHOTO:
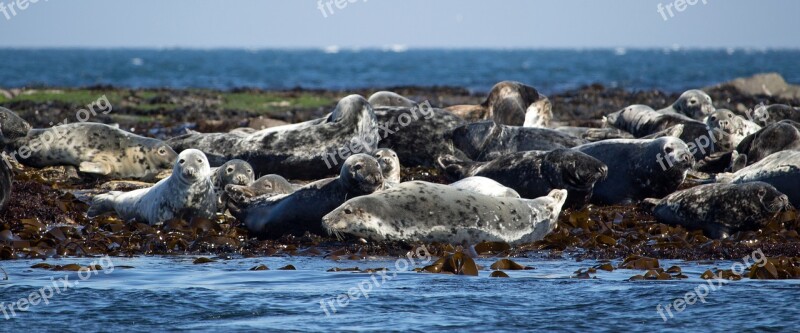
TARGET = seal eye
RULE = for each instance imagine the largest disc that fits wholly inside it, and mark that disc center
(348, 211)
(268, 186)
(668, 150)
(358, 166)
(230, 169)
(713, 118)
(199, 160)
(162, 151)
(692, 102)
(249, 171)
(181, 161)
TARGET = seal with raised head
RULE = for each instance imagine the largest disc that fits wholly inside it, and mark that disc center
(302, 210)
(639, 169)
(781, 169)
(780, 136)
(535, 173)
(12, 127)
(737, 128)
(266, 185)
(428, 212)
(96, 149)
(390, 165)
(487, 140)
(187, 193)
(507, 104)
(720, 209)
(695, 104)
(769, 114)
(309, 150)
(485, 186)
(233, 172)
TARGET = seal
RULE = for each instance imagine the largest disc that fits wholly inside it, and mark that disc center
(535, 173)
(6, 181)
(695, 104)
(769, 114)
(390, 99)
(390, 165)
(737, 127)
(269, 185)
(12, 127)
(485, 186)
(781, 170)
(783, 135)
(310, 150)
(95, 149)
(428, 212)
(302, 211)
(720, 209)
(592, 134)
(507, 104)
(233, 172)
(186, 194)
(487, 140)
(639, 168)
(417, 134)
(539, 114)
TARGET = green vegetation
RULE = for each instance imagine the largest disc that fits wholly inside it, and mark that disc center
(268, 102)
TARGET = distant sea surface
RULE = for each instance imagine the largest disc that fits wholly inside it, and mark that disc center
(334, 69)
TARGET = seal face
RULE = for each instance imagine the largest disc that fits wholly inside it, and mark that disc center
(421, 211)
(507, 103)
(694, 103)
(309, 150)
(535, 173)
(302, 211)
(233, 172)
(736, 127)
(781, 170)
(97, 149)
(390, 165)
(639, 169)
(269, 185)
(485, 186)
(12, 127)
(721, 209)
(487, 140)
(187, 193)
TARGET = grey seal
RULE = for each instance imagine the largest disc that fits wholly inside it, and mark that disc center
(187, 193)
(6, 182)
(487, 140)
(485, 186)
(390, 165)
(96, 149)
(269, 185)
(720, 209)
(417, 134)
(428, 212)
(12, 127)
(737, 128)
(390, 99)
(781, 170)
(302, 210)
(507, 103)
(695, 104)
(233, 172)
(309, 150)
(639, 169)
(535, 173)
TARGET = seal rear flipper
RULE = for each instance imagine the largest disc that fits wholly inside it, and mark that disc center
(95, 168)
(738, 163)
(452, 167)
(102, 203)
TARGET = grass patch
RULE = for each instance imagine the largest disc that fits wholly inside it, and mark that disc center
(78, 97)
(270, 102)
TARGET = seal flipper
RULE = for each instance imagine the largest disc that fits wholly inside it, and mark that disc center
(452, 167)
(738, 162)
(102, 203)
(95, 167)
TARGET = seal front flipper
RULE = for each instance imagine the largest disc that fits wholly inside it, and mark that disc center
(95, 167)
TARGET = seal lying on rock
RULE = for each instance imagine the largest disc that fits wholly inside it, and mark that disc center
(535, 173)
(485, 186)
(695, 104)
(639, 169)
(390, 99)
(781, 170)
(595, 134)
(417, 134)
(506, 104)
(720, 209)
(233, 172)
(186, 194)
(310, 150)
(769, 114)
(487, 140)
(97, 149)
(269, 185)
(390, 165)
(737, 127)
(428, 212)
(302, 210)
(12, 127)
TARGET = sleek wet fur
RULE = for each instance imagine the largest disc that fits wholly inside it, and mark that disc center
(487, 140)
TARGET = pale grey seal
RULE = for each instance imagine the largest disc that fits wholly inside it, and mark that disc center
(390, 165)
(507, 104)
(485, 186)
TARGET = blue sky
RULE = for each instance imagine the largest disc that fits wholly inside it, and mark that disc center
(414, 23)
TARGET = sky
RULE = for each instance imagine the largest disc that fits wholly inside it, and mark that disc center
(411, 23)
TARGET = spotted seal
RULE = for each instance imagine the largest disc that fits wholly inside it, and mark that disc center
(720, 209)
(485, 186)
(233, 172)
(487, 140)
(639, 169)
(390, 165)
(96, 149)
(507, 103)
(535, 173)
(310, 150)
(781, 170)
(421, 211)
(737, 128)
(187, 193)
(270, 185)
(302, 210)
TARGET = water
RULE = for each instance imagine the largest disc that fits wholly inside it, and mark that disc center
(548, 70)
(171, 293)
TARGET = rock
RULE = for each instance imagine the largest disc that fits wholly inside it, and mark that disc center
(769, 84)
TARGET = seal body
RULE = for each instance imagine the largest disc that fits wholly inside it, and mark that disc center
(783, 135)
(417, 134)
(643, 122)
(639, 169)
(302, 210)
(720, 209)
(390, 165)
(268, 185)
(769, 114)
(595, 134)
(310, 150)
(487, 140)
(781, 170)
(507, 103)
(97, 149)
(485, 186)
(695, 104)
(186, 194)
(390, 99)
(12, 127)
(535, 173)
(421, 211)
